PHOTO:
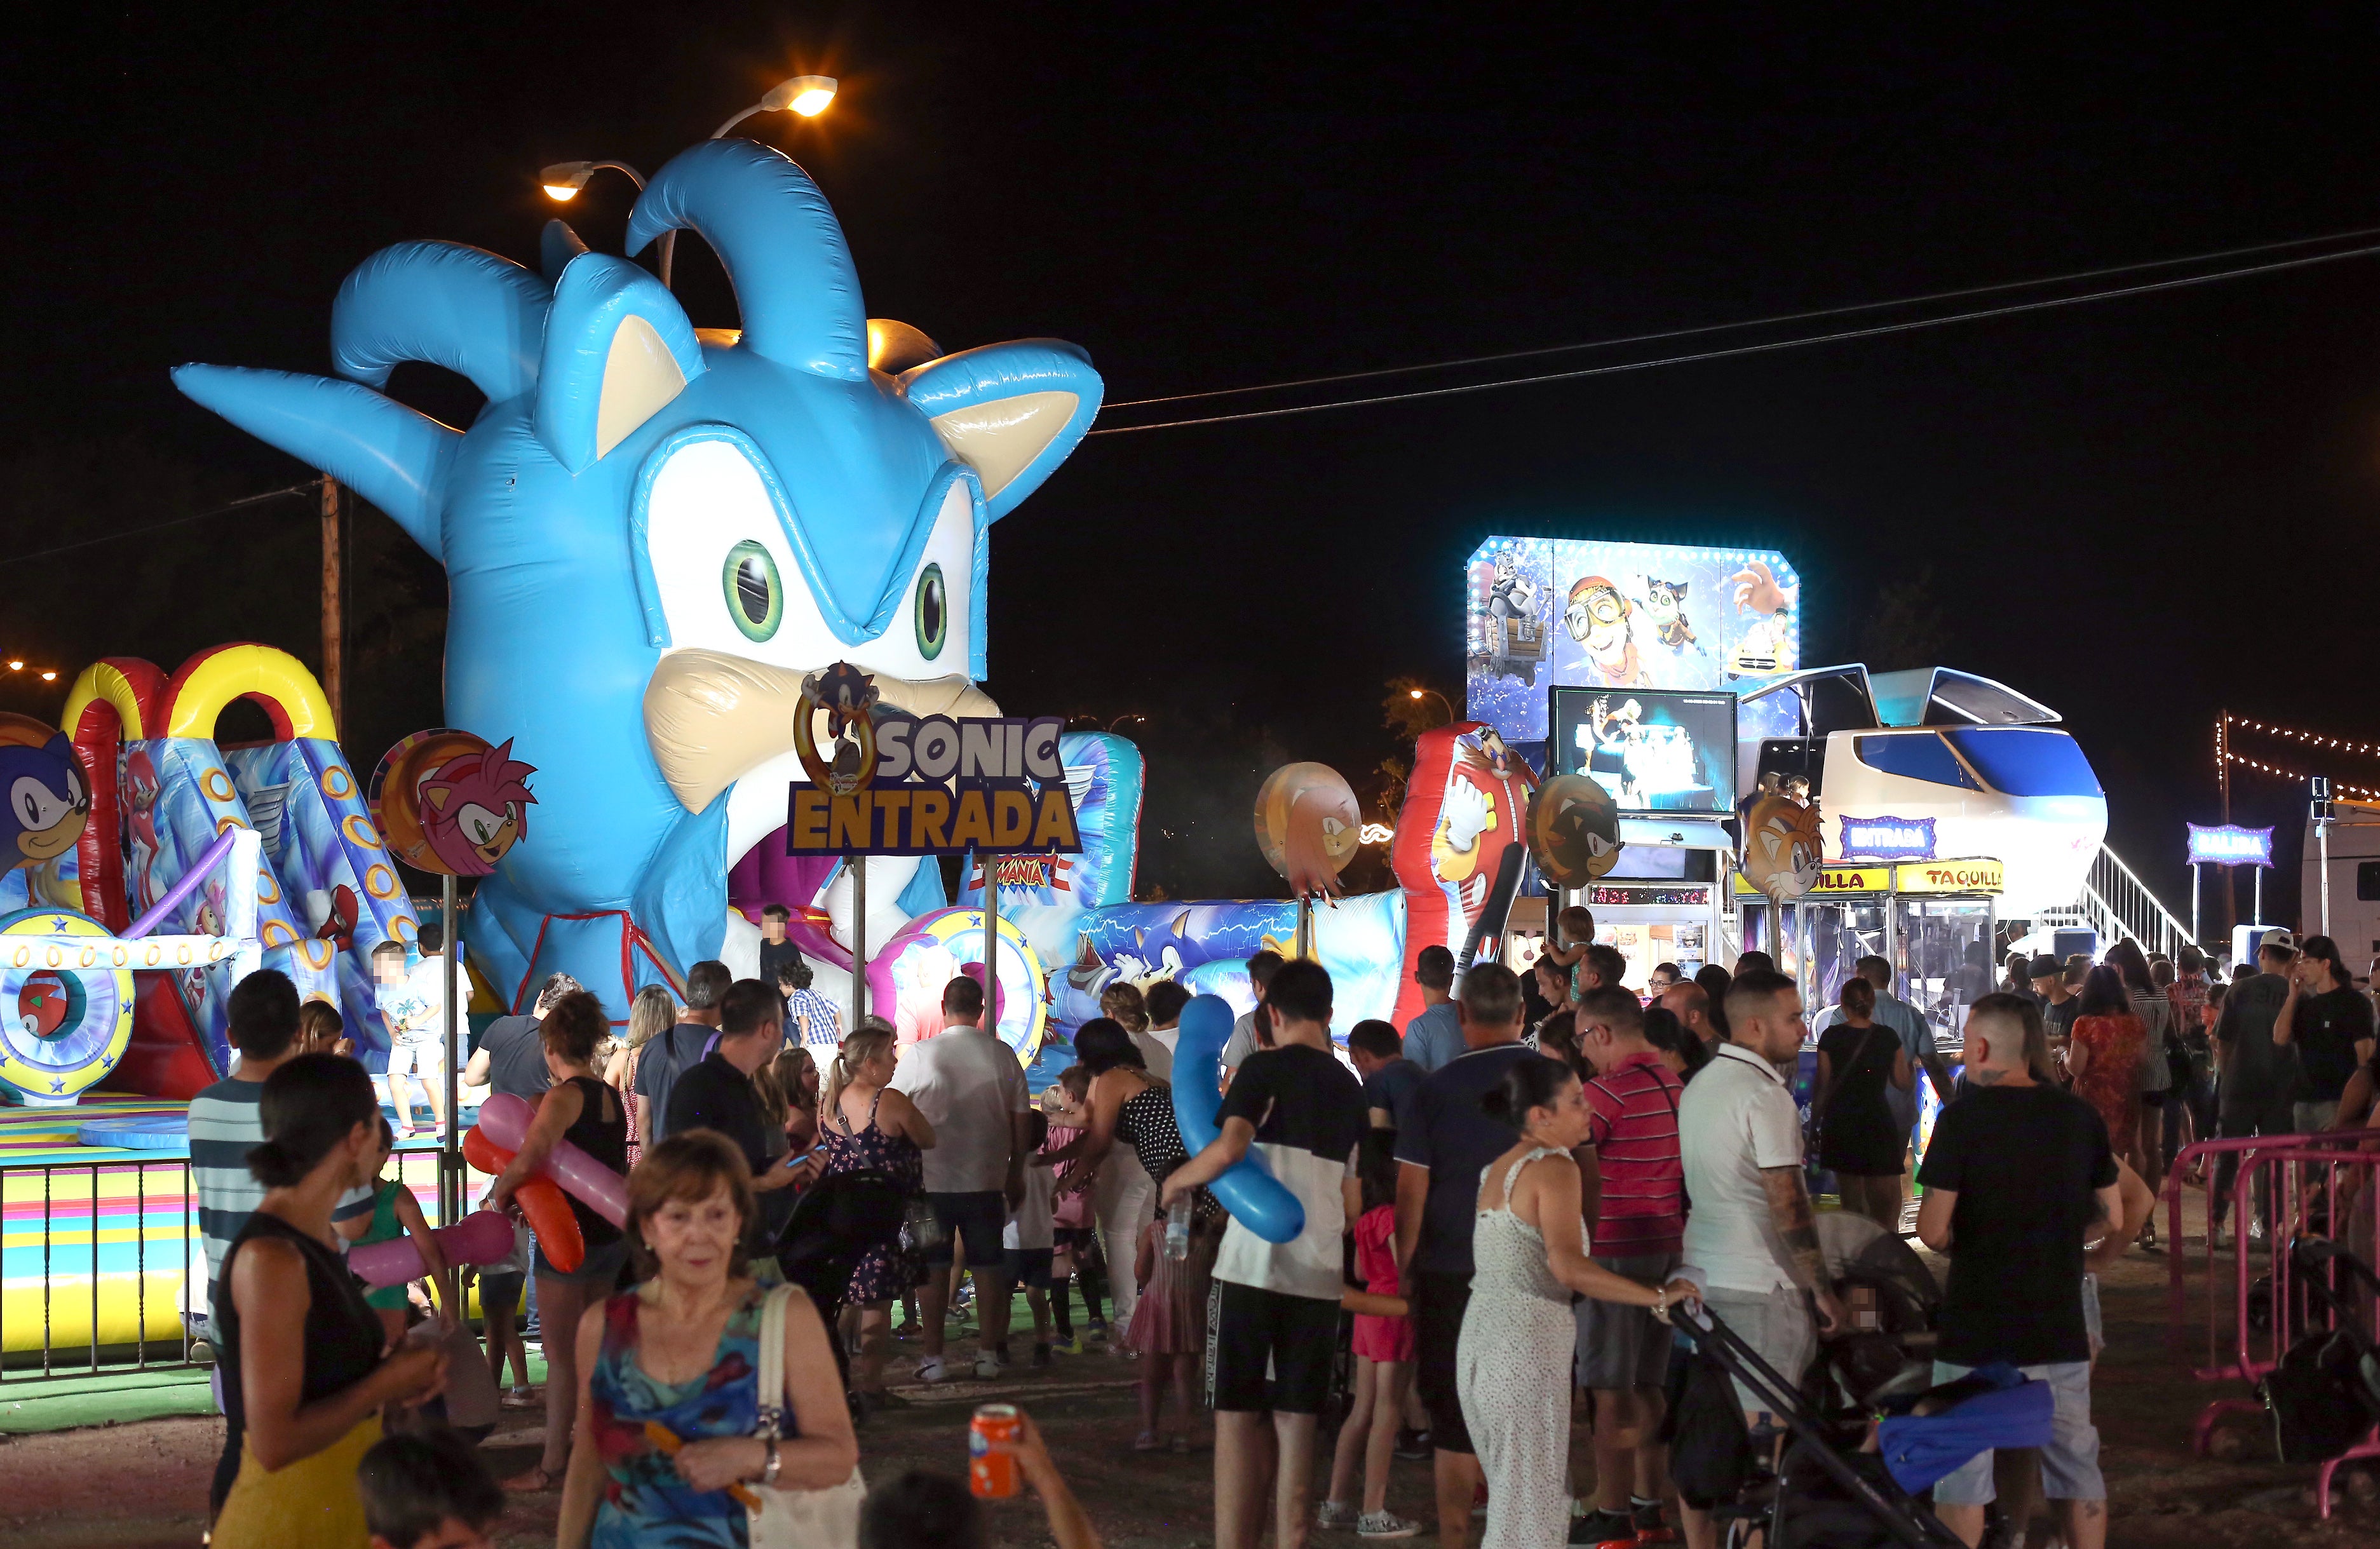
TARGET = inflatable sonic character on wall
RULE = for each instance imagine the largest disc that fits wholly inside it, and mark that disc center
(48, 807)
(651, 533)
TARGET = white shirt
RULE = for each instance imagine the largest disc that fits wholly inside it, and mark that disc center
(967, 1083)
(1735, 1118)
(417, 1006)
(1028, 1225)
(1157, 1050)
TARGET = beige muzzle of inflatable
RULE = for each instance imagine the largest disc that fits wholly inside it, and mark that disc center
(711, 718)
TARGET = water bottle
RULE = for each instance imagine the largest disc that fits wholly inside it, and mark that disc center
(1177, 1230)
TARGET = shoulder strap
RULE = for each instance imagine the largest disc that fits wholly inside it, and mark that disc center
(773, 1361)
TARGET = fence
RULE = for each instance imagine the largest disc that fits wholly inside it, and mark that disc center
(99, 1261)
(2296, 1184)
(2117, 905)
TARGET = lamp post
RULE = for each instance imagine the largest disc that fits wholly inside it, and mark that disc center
(807, 96)
(1431, 692)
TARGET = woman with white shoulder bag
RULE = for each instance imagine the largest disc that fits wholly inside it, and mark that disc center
(710, 1411)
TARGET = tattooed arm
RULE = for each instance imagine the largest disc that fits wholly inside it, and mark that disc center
(1788, 1207)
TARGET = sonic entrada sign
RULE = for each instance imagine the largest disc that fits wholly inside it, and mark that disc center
(886, 782)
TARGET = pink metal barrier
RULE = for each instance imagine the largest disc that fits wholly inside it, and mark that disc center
(2320, 1185)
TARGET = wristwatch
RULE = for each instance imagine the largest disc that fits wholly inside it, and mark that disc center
(769, 1470)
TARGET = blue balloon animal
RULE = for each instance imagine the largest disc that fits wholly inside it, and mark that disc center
(1255, 1198)
(653, 532)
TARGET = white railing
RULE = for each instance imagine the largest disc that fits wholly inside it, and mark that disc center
(2117, 903)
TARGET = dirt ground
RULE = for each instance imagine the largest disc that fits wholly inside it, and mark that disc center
(139, 1485)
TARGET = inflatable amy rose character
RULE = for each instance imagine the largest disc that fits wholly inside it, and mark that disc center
(474, 809)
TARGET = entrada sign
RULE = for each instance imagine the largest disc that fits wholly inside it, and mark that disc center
(1888, 838)
(886, 782)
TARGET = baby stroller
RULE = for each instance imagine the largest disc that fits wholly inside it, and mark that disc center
(837, 1220)
(1830, 1490)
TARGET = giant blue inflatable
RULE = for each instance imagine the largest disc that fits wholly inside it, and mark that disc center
(651, 532)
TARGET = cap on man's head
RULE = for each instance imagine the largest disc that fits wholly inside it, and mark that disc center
(2044, 966)
(2279, 941)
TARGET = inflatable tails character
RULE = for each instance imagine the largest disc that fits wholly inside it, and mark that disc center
(652, 533)
(1597, 619)
(48, 800)
(474, 809)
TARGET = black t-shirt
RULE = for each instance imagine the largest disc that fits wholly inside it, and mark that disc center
(659, 1065)
(714, 1094)
(1448, 1135)
(2058, 1016)
(1392, 1087)
(2026, 1162)
(515, 1054)
(2325, 1028)
(772, 955)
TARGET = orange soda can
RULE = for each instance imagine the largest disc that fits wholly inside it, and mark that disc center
(993, 1474)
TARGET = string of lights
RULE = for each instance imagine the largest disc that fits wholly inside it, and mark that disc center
(2257, 764)
(2308, 739)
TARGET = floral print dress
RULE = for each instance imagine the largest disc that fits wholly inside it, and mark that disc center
(645, 1503)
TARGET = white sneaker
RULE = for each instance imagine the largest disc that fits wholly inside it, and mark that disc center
(929, 1368)
(1334, 1515)
(987, 1366)
(1385, 1524)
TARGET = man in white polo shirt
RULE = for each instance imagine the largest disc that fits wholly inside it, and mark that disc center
(1751, 1239)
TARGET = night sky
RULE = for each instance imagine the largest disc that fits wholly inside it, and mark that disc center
(2137, 511)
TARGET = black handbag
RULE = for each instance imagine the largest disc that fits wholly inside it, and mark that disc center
(2324, 1394)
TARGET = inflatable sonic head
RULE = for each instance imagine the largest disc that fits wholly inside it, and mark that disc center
(652, 534)
(48, 800)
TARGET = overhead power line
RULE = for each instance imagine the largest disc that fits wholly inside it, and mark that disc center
(1763, 347)
(307, 488)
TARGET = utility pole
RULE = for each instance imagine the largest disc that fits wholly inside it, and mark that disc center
(333, 641)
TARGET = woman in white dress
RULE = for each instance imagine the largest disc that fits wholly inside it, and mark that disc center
(1513, 1367)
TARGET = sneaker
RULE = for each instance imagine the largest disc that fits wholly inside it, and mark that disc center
(1385, 1524)
(1604, 1526)
(988, 1366)
(1412, 1446)
(1098, 1328)
(930, 1369)
(1072, 1345)
(1040, 1355)
(518, 1398)
(1334, 1515)
(1650, 1526)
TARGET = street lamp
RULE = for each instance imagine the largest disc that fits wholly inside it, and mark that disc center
(1417, 693)
(563, 180)
(806, 95)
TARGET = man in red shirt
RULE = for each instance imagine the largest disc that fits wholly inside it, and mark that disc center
(1635, 1197)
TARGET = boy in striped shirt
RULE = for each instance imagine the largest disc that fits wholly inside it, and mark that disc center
(1635, 1195)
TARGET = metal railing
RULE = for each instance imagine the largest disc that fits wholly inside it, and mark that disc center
(102, 1261)
(81, 1288)
(2117, 905)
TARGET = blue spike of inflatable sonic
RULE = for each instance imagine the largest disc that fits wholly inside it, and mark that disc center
(1255, 1198)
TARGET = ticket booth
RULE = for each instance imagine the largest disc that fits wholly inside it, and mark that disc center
(1931, 920)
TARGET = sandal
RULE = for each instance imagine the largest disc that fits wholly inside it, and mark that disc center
(1146, 1442)
(522, 1483)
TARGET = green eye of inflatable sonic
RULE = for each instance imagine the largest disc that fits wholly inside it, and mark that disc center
(933, 618)
(756, 598)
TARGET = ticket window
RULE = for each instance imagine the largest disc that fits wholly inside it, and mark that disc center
(1647, 943)
(1944, 964)
(1841, 932)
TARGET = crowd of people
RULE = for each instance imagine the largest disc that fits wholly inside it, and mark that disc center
(1526, 1181)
